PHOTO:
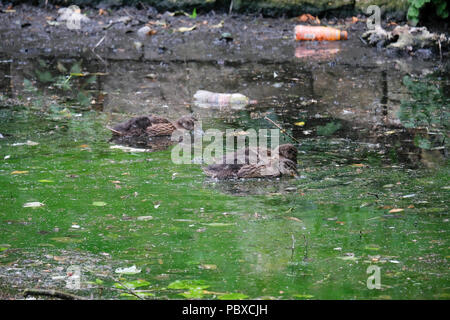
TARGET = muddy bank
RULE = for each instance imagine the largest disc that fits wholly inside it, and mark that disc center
(346, 84)
(291, 8)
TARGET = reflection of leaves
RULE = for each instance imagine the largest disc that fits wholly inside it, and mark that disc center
(188, 284)
(139, 283)
(303, 296)
(232, 296)
(196, 293)
(99, 203)
(422, 142)
(328, 129)
(44, 76)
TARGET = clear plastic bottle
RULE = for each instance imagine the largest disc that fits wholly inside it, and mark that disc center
(207, 99)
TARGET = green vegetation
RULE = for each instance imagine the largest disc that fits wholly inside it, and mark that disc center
(413, 14)
(427, 111)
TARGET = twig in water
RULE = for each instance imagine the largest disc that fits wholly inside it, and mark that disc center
(115, 131)
(306, 248)
(282, 130)
(231, 7)
(98, 43)
(293, 246)
(52, 293)
(129, 290)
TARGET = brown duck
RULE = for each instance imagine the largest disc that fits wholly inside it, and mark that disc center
(266, 166)
(149, 131)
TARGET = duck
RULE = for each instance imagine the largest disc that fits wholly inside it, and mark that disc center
(266, 164)
(153, 125)
(150, 131)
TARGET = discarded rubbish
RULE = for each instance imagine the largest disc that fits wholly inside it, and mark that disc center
(319, 33)
(207, 99)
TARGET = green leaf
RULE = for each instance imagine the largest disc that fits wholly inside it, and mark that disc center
(99, 203)
(232, 296)
(196, 293)
(413, 13)
(132, 284)
(76, 68)
(188, 284)
(194, 14)
(303, 296)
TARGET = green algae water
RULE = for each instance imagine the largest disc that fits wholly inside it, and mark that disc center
(191, 237)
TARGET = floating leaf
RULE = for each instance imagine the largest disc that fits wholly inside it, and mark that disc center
(99, 203)
(396, 210)
(130, 270)
(208, 266)
(188, 284)
(35, 204)
(232, 296)
(19, 172)
(218, 224)
(66, 240)
(196, 293)
(144, 218)
(294, 219)
(186, 29)
(132, 284)
(303, 296)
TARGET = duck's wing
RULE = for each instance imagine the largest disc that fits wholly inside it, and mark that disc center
(154, 119)
(134, 126)
(258, 171)
(160, 129)
(222, 171)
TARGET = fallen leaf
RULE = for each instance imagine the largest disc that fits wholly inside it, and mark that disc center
(300, 123)
(19, 172)
(33, 204)
(219, 25)
(294, 219)
(186, 29)
(208, 266)
(99, 203)
(144, 218)
(396, 210)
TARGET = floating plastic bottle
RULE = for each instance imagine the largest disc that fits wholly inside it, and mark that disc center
(207, 99)
(319, 33)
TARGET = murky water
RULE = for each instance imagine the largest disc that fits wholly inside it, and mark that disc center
(312, 237)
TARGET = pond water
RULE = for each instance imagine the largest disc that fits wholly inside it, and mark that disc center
(372, 191)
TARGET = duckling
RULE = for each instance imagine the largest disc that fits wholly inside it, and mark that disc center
(270, 166)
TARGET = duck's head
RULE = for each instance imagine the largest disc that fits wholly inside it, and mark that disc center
(186, 122)
(287, 151)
